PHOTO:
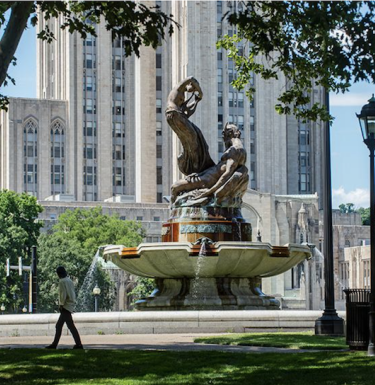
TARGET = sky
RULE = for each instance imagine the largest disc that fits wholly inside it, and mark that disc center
(350, 163)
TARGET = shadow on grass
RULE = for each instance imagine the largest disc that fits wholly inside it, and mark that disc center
(303, 340)
(33, 366)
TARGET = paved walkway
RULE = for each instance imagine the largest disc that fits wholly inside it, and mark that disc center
(178, 342)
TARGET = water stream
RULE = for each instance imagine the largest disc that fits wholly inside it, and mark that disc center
(197, 286)
(85, 300)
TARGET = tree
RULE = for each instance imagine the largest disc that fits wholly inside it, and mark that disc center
(365, 215)
(143, 288)
(327, 43)
(73, 243)
(346, 208)
(91, 228)
(19, 230)
(134, 22)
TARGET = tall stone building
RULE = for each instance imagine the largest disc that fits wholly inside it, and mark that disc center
(97, 128)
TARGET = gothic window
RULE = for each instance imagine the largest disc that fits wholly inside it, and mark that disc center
(159, 175)
(117, 63)
(30, 152)
(219, 98)
(240, 99)
(88, 83)
(158, 60)
(159, 131)
(231, 98)
(219, 75)
(159, 108)
(240, 122)
(252, 147)
(159, 151)
(158, 83)
(57, 158)
(304, 182)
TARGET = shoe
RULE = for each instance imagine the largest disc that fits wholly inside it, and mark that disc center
(77, 347)
(51, 347)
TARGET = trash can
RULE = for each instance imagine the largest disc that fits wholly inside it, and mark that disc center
(357, 318)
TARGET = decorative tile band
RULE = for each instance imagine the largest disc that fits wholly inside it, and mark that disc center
(214, 228)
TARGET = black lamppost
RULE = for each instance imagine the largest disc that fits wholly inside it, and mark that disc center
(367, 123)
(96, 291)
(329, 323)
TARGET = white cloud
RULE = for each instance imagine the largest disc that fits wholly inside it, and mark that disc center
(349, 99)
(359, 197)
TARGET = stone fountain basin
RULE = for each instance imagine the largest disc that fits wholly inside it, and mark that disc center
(223, 259)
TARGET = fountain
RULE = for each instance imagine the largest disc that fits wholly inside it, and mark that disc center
(206, 259)
(84, 295)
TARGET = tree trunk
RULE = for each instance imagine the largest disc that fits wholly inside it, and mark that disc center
(16, 25)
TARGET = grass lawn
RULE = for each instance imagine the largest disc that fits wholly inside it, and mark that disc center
(38, 366)
(299, 340)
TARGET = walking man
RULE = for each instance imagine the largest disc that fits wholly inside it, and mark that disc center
(67, 298)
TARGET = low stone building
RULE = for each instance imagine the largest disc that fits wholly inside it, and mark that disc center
(357, 263)
(348, 234)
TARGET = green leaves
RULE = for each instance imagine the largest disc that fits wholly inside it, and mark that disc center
(74, 242)
(365, 215)
(327, 43)
(19, 231)
(91, 228)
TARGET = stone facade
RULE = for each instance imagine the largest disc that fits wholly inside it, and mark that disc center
(25, 146)
(116, 139)
(351, 263)
(357, 261)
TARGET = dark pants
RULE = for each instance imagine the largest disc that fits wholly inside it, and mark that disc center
(66, 317)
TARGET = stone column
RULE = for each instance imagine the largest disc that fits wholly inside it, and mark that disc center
(104, 113)
(145, 126)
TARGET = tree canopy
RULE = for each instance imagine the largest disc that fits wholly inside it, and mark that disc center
(365, 215)
(19, 228)
(19, 231)
(73, 243)
(131, 21)
(327, 43)
(346, 208)
(91, 228)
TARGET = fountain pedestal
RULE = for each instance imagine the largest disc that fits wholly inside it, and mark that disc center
(188, 224)
(208, 294)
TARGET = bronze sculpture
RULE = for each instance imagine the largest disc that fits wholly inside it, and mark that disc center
(206, 183)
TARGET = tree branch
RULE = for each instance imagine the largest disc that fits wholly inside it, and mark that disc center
(12, 35)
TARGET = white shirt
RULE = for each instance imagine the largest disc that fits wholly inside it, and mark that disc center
(67, 295)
